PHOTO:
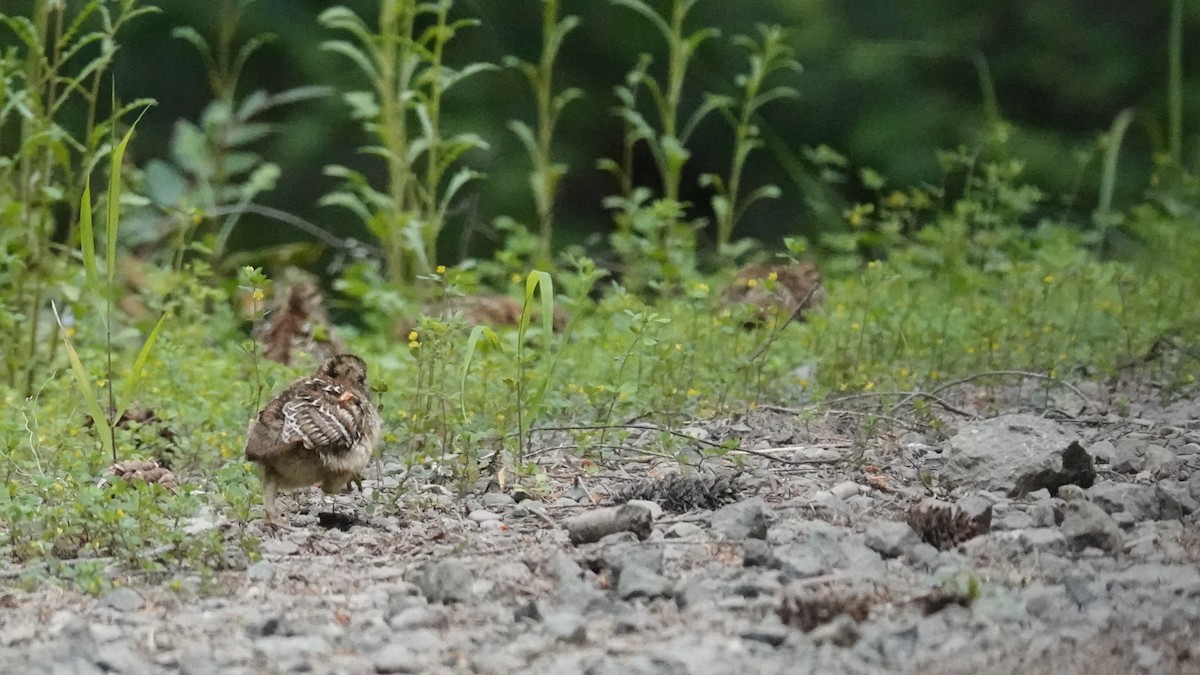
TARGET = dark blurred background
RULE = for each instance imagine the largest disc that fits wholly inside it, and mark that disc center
(885, 83)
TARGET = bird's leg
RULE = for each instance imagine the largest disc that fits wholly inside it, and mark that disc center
(270, 489)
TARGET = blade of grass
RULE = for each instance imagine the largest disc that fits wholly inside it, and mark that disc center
(135, 374)
(90, 398)
(477, 333)
(87, 237)
(114, 197)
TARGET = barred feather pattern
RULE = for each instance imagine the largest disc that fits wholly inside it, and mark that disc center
(322, 429)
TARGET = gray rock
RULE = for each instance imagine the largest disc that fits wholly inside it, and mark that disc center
(481, 515)
(655, 510)
(120, 657)
(280, 547)
(496, 499)
(17, 632)
(396, 658)
(261, 572)
(757, 553)
(770, 631)
(566, 626)
(891, 538)
(1014, 519)
(123, 599)
(845, 489)
(290, 653)
(639, 582)
(1160, 461)
(1079, 590)
(1175, 499)
(1139, 502)
(417, 616)
(1043, 540)
(746, 519)
(1087, 525)
(446, 581)
(684, 530)
(198, 660)
(646, 555)
(1016, 455)
(1188, 450)
(1119, 459)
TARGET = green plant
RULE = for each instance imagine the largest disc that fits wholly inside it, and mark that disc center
(215, 174)
(57, 128)
(546, 174)
(768, 55)
(405, 66)
(105, 418)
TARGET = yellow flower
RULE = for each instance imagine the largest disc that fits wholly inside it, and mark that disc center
(413, 336)
(1048, 279)
(441, 269)
(259, 295)
(773, 276)
(516, 278)
(751, 283)
(693, 392)
(414, 344)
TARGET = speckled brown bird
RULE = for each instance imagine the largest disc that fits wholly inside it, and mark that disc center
(322, 429)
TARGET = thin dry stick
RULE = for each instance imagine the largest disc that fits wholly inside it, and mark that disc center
(994, 373)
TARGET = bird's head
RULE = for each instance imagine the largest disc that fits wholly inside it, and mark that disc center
(345, 369)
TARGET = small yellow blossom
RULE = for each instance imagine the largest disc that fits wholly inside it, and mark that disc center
(751, 283)
(414, 344)
(259, 295)
(868, 386)
(678, 346)
(693, 392)
(413, 336)
(773, 276)
(441, 269)
(516, 278)
(1048, 279)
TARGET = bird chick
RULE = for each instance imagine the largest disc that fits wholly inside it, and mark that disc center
(321, 429)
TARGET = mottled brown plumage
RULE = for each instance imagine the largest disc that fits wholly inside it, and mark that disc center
(297, 325)
(777, 292)
(322, 429)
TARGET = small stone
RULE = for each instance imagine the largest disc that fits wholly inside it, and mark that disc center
(122, 599)
(890, 538)
(16, 633)
(291, 653)
(261, 572)
(1188, 450)
(845, 489)
(396, 658)
(1014, 520)
(497, 499)
(1160, 461)
(742, 520)
(770, 632)
(757, 553)
(1119, 459)
(481, 515)
(446, 581)
(280, 547)
(1078, 590)
(684, 531)
(1086, 524)
(566, 626)
(1138, 501)
(637, 581)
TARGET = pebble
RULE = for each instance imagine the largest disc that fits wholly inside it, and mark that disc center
(122, 599)
(742, 520)
(261, 572)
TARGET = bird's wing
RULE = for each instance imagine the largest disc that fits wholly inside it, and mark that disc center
(319, 422)
(262, 438)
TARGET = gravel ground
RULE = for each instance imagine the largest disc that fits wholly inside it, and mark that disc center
(1064, 539)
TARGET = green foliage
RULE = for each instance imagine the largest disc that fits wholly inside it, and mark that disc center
(767, 56)
(215, 174)
(403, 112)
(546, 174)
(53, 120)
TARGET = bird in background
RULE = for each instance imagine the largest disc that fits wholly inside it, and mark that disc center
(322, 429)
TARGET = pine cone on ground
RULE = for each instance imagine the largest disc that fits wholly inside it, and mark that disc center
(146, 471)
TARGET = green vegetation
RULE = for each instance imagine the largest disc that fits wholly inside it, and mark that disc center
(976, 273)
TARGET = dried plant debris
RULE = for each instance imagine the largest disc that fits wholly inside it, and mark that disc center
(678, 494)
(146, 471)
(777, 292)
(296, 325)
(944, 525)
(810, 603)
